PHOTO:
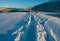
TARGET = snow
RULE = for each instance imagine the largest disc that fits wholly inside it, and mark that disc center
(25, 26)
(9, 20)
(41, 33)
(53, 23)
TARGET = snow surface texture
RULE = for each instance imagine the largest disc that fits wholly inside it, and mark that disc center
(29, 27)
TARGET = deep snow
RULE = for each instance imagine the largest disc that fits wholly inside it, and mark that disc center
(25, 26)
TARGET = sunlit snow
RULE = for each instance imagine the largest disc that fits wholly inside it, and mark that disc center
(25, 26)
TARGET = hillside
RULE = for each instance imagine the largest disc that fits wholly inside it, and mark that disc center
(48, 6)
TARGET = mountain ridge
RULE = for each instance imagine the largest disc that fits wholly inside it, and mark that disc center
(47, 6)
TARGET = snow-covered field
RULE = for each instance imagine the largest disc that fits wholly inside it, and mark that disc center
(52, 27)
(25, 26)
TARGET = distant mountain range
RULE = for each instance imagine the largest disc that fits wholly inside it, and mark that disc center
(48, 6)
(7, 9)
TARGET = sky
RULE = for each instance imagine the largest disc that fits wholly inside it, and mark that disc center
(20, 3)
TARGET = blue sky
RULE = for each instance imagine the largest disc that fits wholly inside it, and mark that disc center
(21, 3)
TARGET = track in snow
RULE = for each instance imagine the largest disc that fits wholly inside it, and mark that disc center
(31, 28)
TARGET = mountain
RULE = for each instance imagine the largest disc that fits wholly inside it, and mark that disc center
(9, 9)
(48, 6)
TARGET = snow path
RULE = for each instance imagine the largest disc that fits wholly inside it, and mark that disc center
(29, 27)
